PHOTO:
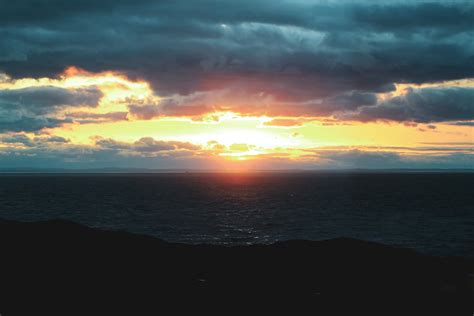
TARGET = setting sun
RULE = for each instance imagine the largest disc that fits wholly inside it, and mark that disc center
(285, 156)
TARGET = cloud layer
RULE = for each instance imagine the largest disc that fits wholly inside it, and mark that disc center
(320, 56)
(289, 62)
(55, 152)
(423, 106)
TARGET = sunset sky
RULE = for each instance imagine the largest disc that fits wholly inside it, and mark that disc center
(236, 85)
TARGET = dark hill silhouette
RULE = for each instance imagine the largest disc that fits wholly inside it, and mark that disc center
(59, 265)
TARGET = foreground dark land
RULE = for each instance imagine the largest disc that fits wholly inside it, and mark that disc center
(58, 265)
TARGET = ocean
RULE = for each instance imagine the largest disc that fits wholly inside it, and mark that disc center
(431, 212)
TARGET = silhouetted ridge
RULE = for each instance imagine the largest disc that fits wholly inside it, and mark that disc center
(58, 265)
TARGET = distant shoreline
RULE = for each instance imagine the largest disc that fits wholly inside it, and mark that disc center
(218, 171)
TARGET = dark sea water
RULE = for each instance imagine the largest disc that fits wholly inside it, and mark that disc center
(430, 212)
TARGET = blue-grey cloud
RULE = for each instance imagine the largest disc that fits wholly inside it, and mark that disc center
(52, 139)
(50, 151)
(18, 139)
(309, 49)
(149, 153)
(32, 109)
(145, 145)
(40, 100)
(24, 140)
(24, 123)
(423, 106)
(393, 160)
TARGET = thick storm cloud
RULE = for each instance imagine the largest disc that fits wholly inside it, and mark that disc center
(294, 51)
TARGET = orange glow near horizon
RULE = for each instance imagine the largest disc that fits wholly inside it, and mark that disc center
(229, 134)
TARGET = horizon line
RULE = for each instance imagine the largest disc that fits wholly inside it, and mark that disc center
(113, 170)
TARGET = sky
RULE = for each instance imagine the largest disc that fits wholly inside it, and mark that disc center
(236, 85)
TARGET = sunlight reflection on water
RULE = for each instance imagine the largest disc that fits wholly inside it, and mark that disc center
(429, 212)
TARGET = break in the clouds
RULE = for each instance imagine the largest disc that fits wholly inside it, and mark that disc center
(294, 62)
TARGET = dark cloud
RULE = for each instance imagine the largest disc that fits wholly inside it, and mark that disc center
(448, 15)
(32, 109)
(148, 144)
(52, 139)
(423, 106)
(52, 151)
(20, 123)
(22, 139)
(301, 50)
(18, 139)
(354, 100)
(145, 112)
(255, 103)
(145, 146)
(40, 100)
(47, 11)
